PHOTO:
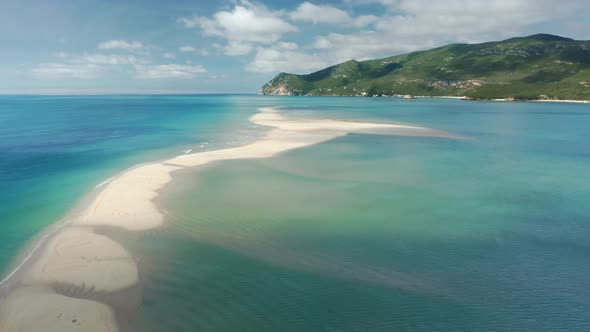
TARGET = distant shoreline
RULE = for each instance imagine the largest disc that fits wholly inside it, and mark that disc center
(466, 98)
(563, 101)
(511, 99)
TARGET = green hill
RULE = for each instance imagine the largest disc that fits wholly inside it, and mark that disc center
(535, 67)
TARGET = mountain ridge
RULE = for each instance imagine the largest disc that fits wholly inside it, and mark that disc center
(540, 66)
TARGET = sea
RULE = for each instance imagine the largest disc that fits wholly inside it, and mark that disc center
(361, 233)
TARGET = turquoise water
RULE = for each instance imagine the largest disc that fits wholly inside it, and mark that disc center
(362, 233)
(54, 149)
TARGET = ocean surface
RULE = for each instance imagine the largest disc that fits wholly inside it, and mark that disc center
(361, 233)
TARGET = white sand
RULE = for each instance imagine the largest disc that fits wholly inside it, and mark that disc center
(563, 101)
(83, 260)
(544, 100)
(126, 201)
(36, 309)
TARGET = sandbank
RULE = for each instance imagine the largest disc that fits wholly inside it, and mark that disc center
(33, 309)
(83, 260)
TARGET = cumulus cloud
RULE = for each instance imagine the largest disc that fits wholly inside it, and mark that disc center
(309, 12)
(122, 45)
(168, 71)
(285, 57)
(244, 26)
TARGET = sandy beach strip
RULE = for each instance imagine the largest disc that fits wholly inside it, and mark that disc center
(80, 258)
(567, 101)
(562, 101)
(570, 101)
(127, 200)
(76, 255)
(33, 309)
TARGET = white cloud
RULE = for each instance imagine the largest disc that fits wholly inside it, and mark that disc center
(85, 66)
(66, 70)
(285, 57)
(245, 24)
(309, 12)
(95, 65)
(319, 14)
(167, 71)
(170, 55)
(409, 25)
(106, 59)
(186, 49)
(190, 49)
(462, 20)
(123, 45)
(364, 20)
(529, 10)
(365, 45)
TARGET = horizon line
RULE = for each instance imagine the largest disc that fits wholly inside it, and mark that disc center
(123, 93)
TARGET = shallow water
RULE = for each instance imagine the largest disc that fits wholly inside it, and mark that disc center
(372, 233)
(362, 233)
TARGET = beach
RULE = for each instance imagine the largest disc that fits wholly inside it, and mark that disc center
(67, 279)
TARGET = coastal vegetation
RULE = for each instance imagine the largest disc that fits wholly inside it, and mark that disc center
(540, 66)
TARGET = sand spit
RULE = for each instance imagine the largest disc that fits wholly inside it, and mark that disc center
(78, 257)
(126, 201)
(41, 309)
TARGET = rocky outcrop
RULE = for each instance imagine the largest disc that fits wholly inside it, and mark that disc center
(277, 90)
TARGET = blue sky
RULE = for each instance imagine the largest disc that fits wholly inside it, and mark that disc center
(178, 46)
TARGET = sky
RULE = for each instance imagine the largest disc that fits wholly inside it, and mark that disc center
(235, 46)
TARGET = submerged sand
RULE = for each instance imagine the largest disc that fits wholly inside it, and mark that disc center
(77, 257)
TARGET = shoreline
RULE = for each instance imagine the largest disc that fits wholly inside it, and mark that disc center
(466, 98)
(562, 101)
(72, 253)
(512, 100)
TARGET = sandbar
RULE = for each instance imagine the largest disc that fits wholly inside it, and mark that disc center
(40, 309)
(79, 258)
